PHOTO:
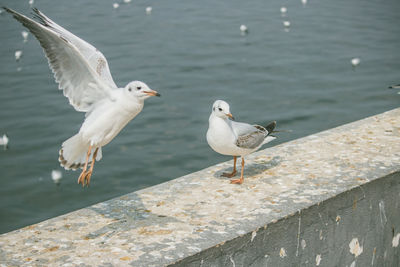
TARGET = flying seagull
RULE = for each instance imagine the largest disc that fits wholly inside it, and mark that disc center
(232, 138)
(82, 72)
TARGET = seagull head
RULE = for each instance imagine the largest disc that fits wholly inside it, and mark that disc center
(140, 90)
(221, 109)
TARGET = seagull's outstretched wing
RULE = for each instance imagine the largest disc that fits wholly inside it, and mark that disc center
(79, 68)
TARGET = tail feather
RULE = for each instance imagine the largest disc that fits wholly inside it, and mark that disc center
(73, 152)
(270, 127)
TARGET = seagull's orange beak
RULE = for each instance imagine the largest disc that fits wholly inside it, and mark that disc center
(152, 93)
(230, 116)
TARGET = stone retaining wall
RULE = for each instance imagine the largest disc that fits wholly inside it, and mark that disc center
(329, 199)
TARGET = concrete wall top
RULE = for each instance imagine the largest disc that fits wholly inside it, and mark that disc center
(163, 224)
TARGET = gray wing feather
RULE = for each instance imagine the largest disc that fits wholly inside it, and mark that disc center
(82, 82)
(92, 55)
(251, 140)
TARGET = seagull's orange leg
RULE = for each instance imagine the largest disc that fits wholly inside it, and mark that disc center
(239, 181)
(81, 179)
(231, 174)
(89, 173)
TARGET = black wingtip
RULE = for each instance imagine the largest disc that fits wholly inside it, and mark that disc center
(8, 10)
(270, 127)
(38, 15)
(36, 12)
(11, 11)
(14, 13)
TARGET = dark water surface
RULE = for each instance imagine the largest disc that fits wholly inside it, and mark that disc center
(192, 52)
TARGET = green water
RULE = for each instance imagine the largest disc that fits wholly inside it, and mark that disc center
(192, 52)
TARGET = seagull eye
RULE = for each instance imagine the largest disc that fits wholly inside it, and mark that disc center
(139, 87)
(220, 109)
(130, 89)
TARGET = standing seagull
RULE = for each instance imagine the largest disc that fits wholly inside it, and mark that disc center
(82, 73)
(232, 138)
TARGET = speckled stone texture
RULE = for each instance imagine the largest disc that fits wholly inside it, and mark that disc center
(329, 199)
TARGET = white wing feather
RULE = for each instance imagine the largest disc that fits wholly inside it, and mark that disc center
(241, 128)
(79, 68)
(94, 57)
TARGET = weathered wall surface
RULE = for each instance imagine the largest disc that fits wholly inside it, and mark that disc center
(329, 199)
(359, 227)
